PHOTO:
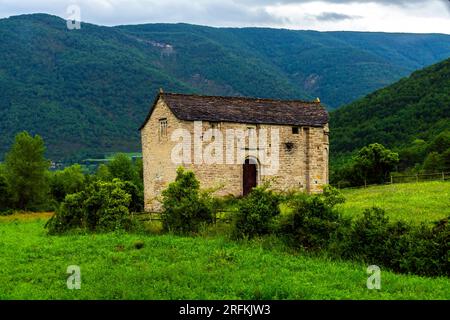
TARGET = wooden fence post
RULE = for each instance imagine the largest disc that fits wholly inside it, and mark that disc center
(392, 179)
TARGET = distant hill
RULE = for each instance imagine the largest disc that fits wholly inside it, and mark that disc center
(87, 91)
(416, 107)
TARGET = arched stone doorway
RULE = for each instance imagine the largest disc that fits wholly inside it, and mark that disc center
(249, 175)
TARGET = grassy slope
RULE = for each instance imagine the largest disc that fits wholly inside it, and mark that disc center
(33, 267)
(425, 201)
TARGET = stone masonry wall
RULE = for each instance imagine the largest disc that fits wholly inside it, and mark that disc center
(303, 157)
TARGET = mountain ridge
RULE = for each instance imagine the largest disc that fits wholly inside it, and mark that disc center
(86, 91)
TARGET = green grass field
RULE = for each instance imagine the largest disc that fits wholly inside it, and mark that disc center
(415, 202)
(33, 266)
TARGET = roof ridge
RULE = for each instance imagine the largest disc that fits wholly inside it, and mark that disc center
(238, 97)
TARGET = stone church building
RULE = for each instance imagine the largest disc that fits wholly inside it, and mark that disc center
(233, 144)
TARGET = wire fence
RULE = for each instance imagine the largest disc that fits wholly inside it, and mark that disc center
(403, 178)
(420, 177)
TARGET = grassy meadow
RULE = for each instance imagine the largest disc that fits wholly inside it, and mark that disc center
(415, 202)
(33, 266)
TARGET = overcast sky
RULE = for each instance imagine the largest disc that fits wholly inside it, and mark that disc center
(422, 16)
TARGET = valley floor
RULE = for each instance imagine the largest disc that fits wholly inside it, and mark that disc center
(33, 266)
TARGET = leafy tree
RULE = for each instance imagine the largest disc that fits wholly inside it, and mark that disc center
(434, 162)
(121, 167)
(345, 175)
(440, 143)
(70, 180)
(103, 173)
(26, 171)
(375, 162)
(412, 155)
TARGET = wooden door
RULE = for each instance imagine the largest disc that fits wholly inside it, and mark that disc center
(249, 176)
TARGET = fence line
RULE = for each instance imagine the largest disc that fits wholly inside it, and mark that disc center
(410, 178)
(420, 177)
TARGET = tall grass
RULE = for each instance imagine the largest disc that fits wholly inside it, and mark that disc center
(33, 266)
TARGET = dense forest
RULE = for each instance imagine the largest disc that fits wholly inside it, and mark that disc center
(87, 91)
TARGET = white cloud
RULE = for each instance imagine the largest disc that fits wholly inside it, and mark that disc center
(359, 15)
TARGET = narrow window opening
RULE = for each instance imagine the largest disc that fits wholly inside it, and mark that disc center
(163, 128)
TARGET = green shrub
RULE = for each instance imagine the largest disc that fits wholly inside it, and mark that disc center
(185, 208)
(422, 250)
(103, 206)
(332, 196)
(256, 212)
(313, 223)
(425, 250)
(374, 239)
(69, 215)
(106, 205)
(368, 236)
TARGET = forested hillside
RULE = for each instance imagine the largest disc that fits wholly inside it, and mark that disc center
(87, 91)
(416, 107)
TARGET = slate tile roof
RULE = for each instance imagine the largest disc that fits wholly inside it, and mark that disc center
(191, 107)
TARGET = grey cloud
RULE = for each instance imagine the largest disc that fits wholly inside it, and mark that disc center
(334, 16)
(232, 13)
